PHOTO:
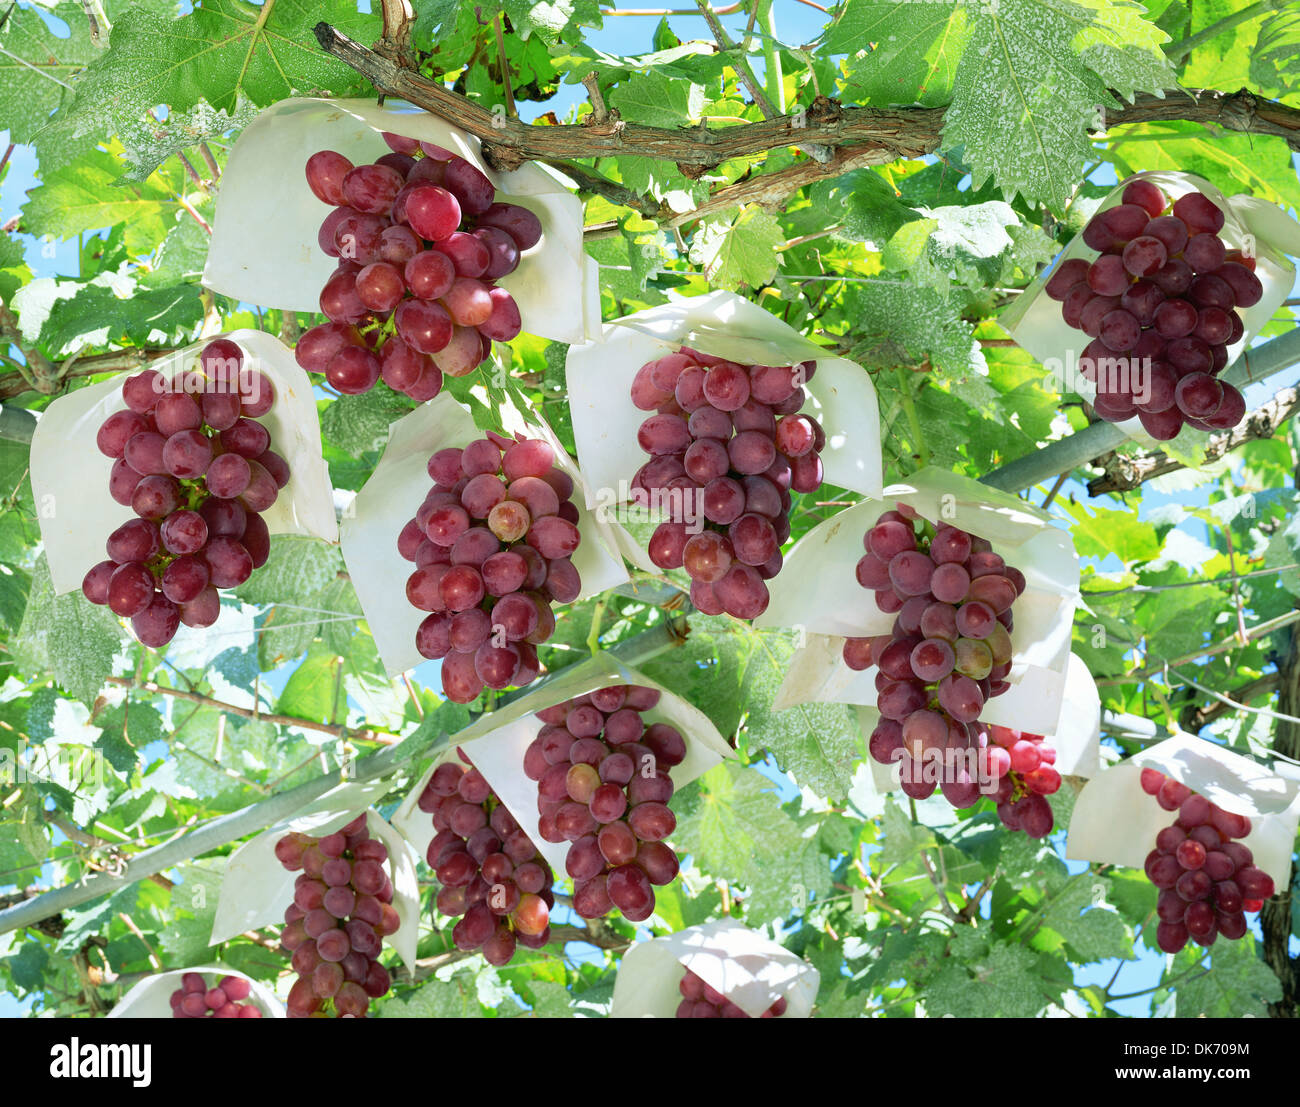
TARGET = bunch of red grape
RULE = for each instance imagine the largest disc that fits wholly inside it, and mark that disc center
(421, 242)
(492, 544)
(1159, 306)
(341, 912)
(1207, 879)
(948, 653)
(490, 871)
(1022, 764)
(197, 469)
(603, 786)
(727, 445)
(195, 1000)
(700, 1001)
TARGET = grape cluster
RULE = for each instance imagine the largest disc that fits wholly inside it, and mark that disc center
(421, 242)
(197, 469)
(1159, 305)
(492, 544)
(948, 653)
(1207, 878)
(341, 912)
(608, 798)
(195, 1000)
(490, 870)
(727, 445)
(700, 1001)
(1023, 764)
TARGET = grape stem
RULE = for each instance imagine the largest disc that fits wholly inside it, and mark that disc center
(909, 407)
(1199, 969)
(593, 635)
(1177, 52)
(504, 65)
(251, 713)
(940, 886)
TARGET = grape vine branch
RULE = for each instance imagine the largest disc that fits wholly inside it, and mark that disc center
(868, 136)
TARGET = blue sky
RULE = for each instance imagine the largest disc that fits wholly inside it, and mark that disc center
(797, 23)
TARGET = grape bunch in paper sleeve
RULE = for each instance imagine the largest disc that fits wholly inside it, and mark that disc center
(700, 1001)
(490, 871)
(195, 1000)
(603, 786)
(948, 654)
(341, 912)
(727, 445)
(492, 544)
(421, 241)
(1162, 296)
(1206, 875)
(193, 463)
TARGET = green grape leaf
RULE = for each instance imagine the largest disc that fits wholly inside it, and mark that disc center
(456, 998)
(339, 609)
(738, 251)
(873, 211)
(83, 195)
(27, 966)
(900, 323)
(147, 143)
(14, 587)
(66, 636)
(1006, 983)
(284, 632)
(1236, 984)
(180, 256)
(1103, 531)
(37, 66)
(1095, 934)
(1275, 59)
(211, 58)
(552, 19)
(899, 53)
(657, 100)
(359, 424)
(737, 828)
(816, 743)
(127, 729)
(962, 244)
(297, 569)
(1029, 83)
(119, 312)
(14, 270)
(314, 689)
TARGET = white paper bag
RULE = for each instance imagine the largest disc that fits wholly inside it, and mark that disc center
(256, 888)
(605, 421)
(817, 591)
(71, 476)
(1035, 322)
(1076, 736)
(497, 742)
(752, 971)
(396, 489)
(264, 250)
(151, 997)
(1114, 821)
